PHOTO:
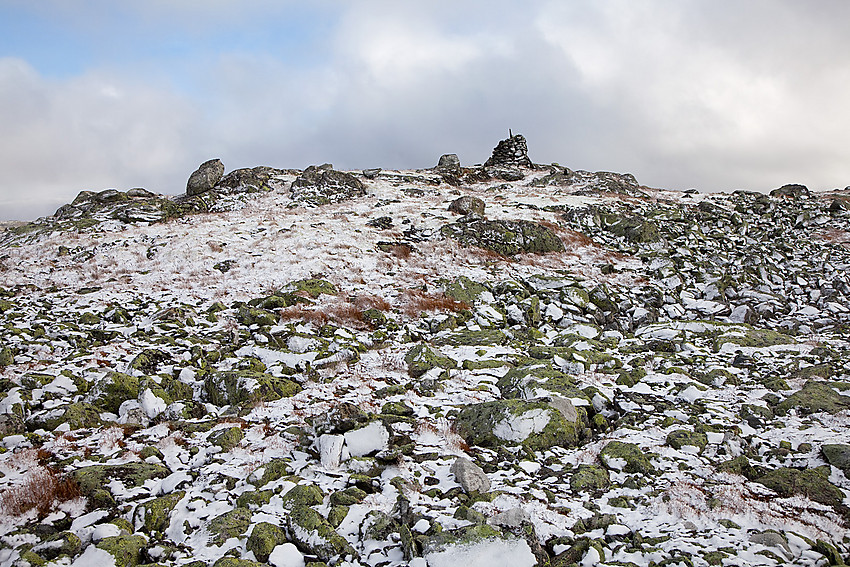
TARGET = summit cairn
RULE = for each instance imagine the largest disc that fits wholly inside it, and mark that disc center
(510, 152)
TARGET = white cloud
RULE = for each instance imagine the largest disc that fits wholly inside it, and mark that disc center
(715, 95)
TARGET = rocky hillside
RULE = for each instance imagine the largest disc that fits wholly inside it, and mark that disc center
(506, 364)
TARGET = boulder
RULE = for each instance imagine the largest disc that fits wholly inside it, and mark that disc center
(251, 180)
(321, 185)
(449, 161)
(467, 205)
(791, 191)
(505, 237)
(534, 424)
(837, 455)
(470, 476)
(205, 177)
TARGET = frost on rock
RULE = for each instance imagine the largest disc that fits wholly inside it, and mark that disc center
(488, 553)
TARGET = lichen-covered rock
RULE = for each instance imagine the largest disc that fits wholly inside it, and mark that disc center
(421, 358)
(78, 416)
(589, 478)
(256, 316)
(320, 185)
(251, 180)
(314, 535)
(302, 495)
(7, 357)
(837, 455)
(682, 437)
(470, 476)
(230, 524)
(66, 544)
(132, 475)
(505, 237)
(230, 561)
(314, 287)
(535, 424)
(109, 392)
(464, 290)
(815, 397)
(149, 360)
(811, 483)
(241, 386)
(205, 177)
(467, 205)
(263, 539)
(126, 549)
(227, 438)
(627, 457)
(348, 497)
(154, 515)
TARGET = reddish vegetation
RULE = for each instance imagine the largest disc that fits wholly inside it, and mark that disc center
(42, 489)
(420, 301)
(337, 312)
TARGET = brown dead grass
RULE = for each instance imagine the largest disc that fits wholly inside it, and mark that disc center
(416, 302)
(41, 491)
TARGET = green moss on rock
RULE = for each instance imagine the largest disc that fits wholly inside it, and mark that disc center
(155, 513)
(505, 237)
(132, 475)
(114, 389)
(620, 455)
(126, 549)
(535, 424)
(682, 437)
(263, 539)
(589, 478)
(811, 483)
(227, 438)
(314, 535)
(302, 495)
(464, 290)
(815, 397)
(243, 386)
(421, 358)
(230, 524)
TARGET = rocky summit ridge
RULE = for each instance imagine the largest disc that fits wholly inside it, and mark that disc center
(500, 364)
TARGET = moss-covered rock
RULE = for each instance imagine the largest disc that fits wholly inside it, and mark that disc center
(112, 390)
(230, 561)
(256, 316)
(7, 357)
(244, 386)
(815, 397)
(263, 539)
(348, 497)
(681, 437)
(811, 483)
(739, 465)
(314, 535)
(535, 424)
(79, 415)
(132, 475)
(464, 290)
(466, 337)
(628, 457)
(254, 498)
(421, 358)
(226, 438)
(149, 360)
(302, 495)
(505, 237)
(230, 524)
(126, 549)
(313, 287)
(154, 514)
(589, 478)
(66, 544)
(837, 455)
(754, 338)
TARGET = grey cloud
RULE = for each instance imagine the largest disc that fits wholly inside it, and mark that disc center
(713, 95)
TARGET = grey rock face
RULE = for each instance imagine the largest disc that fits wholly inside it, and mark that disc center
(205, 177)
(470, 476)
(449, 161)
(467, 205)
(791, 191)
(505, 237)
(512, 151)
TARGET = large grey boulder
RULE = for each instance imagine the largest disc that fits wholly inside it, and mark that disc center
(470, 476)
(205, 177)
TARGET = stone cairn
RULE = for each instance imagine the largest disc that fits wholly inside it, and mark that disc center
(512, 152)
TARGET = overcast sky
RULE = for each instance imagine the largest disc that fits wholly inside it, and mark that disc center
(710, 94)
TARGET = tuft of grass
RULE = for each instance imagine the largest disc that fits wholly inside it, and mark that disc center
(41, 491)
(417, 302)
